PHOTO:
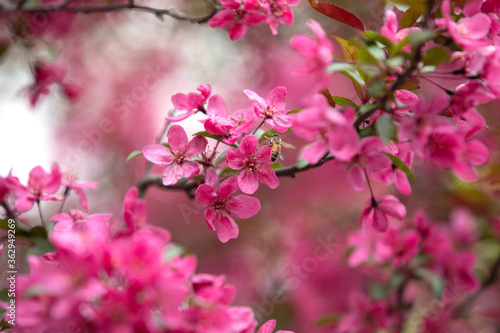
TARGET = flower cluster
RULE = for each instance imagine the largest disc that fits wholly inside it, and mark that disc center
(238, 15)
(98, 280)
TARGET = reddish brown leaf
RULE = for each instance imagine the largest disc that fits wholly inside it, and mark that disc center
(338, 13)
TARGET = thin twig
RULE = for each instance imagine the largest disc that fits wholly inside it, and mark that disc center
(144, 183)
(65, 7)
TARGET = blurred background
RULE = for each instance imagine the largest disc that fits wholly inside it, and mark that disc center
(128, 65)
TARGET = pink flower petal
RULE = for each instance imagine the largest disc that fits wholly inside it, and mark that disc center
(379, 222)
(391, 206)
(267, 176)
(177, 138)
(180, 116)
(276, 98)
(227, 187)
(158, 154)
(357, 178)
(257, 101)
(216, 106)
(210, 217)
(190, 169)
(236, 31)
(196, 146)
(172, 174)
(248, 182)
(267, 327)
(314, 152)
(264, 155)
(248, 145)
(205, 195)
(235, 159)
(226, 228)
(243, 206)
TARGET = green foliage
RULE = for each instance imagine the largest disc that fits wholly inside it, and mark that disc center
(396, 161)
(435, 281)
(385, 128)
(133, 154)
(435, 56)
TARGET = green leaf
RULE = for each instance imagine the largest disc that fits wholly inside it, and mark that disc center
(377, 88)
(276, 165)
(300, 162)
(172, 252)
(397, 280)
(367, 131)
(396, 161)
(209, 135)
(435, 56)
(376, 52)
(409, 18)
(385, 128)
(376, 37)
(40, 247)
(435, 281)
(395, 62)
(133, 154)
(349, 51)
(416, 5)
(348, 70)
(325, 92)
(367, 108)
(344, 102)
(267, 134)
(329, 319)
(417, 38)
(411, 84)
(294, 111)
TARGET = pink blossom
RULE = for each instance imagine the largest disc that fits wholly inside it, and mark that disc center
(378, 209)
(45, 75)
(368, 158)
(391, 29)
(134, 210)
(221, 205)
(393, 173)
(191, 102)
(256, 161)
(397, 246)
(237, 15)
(365, 315)
(71, 183)
(491, 72)
(175, 158)
(463, 226)
(330, 131)
(470, 32)
(278, 11)
(319, 52)
(41, 186)
(272, 109)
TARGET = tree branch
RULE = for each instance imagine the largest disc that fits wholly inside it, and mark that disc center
(66, 7)
(185, 185)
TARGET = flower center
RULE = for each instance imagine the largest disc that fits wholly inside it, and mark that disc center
(252, 163)
(180, 156)
(269, 112)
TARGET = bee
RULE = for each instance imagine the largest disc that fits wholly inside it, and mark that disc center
(276, 143)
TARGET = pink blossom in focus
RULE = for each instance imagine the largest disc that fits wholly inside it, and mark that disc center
(221, 205)
(272, 109)
(176, 158)
(330, 131)
(256, 161)
(191, 102)
(41, 186)
(378, 209)
(318, 51)
(237, 16)
(278, 12)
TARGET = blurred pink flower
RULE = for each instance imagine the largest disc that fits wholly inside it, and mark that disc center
(364, 315)
(470, 32)
(256, 161)
(319, 52)
(370, 158)
(397, 246)
(135, 210)
(278, 12)
(71, 183)
(192, 102)
(176, 158)
(41, 186)
(391, 29)
(377, 209)
(394, 174)
(330, 130)
(237, 15)
(221, 205)
(272, 109)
